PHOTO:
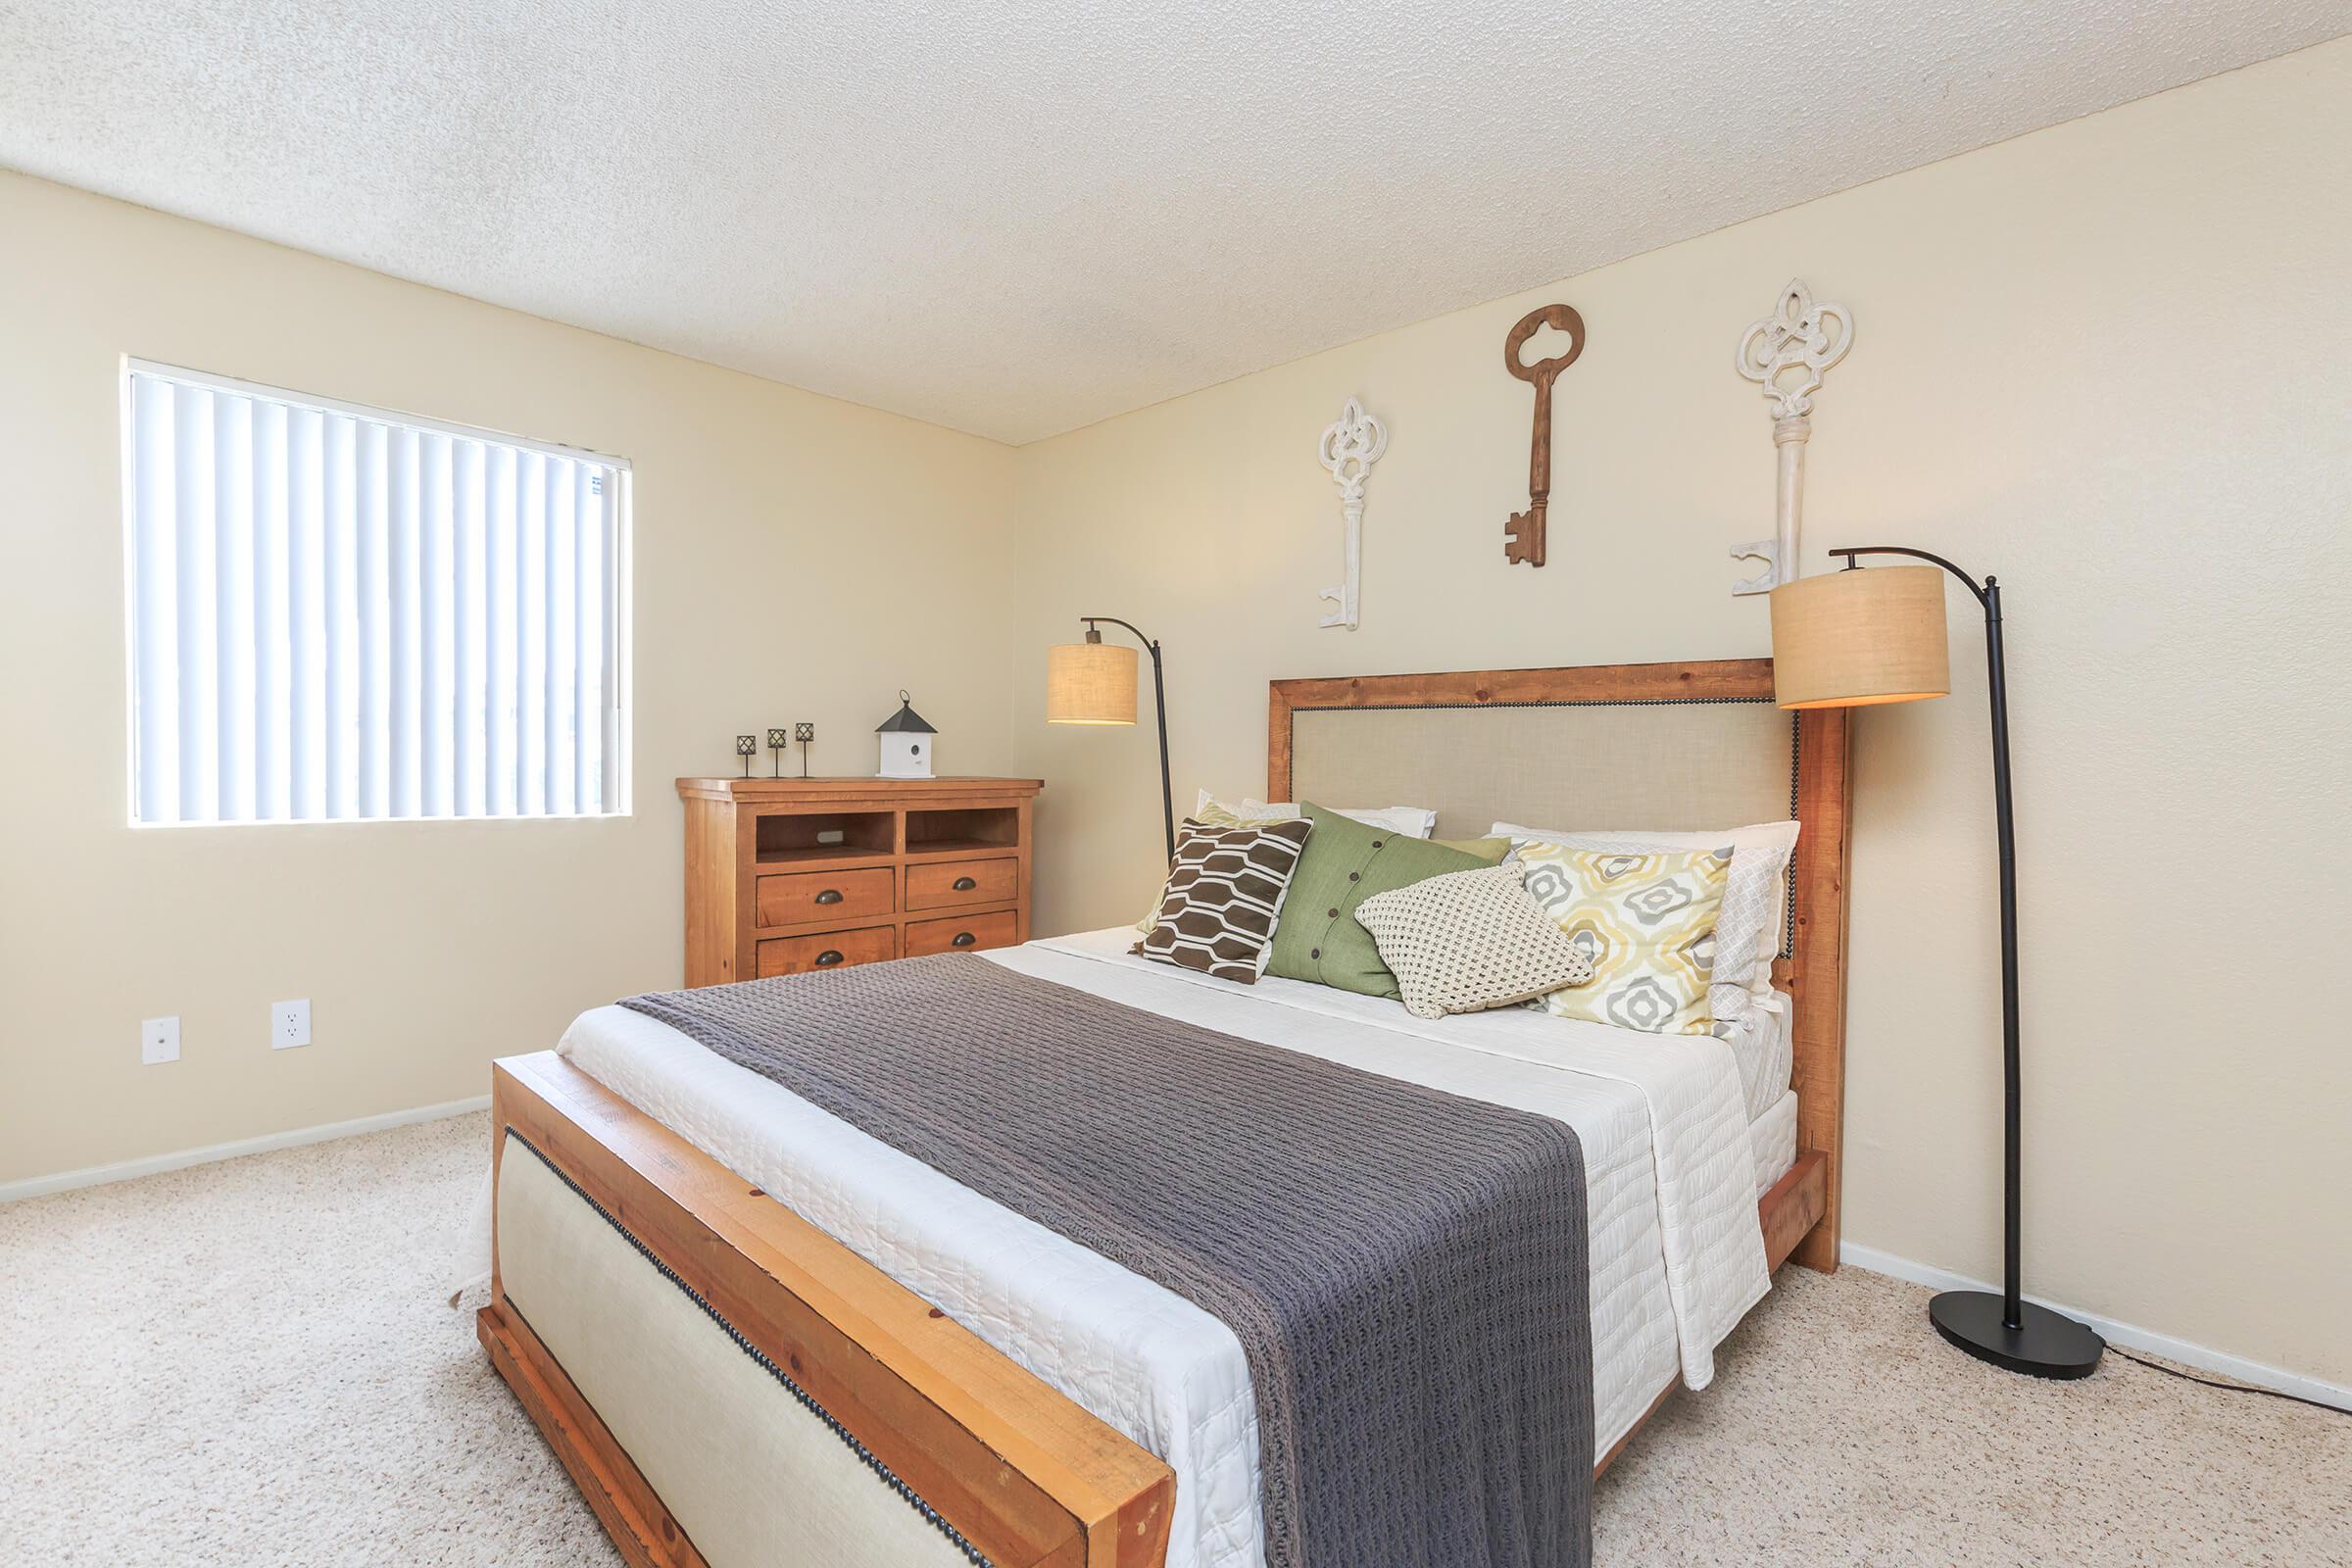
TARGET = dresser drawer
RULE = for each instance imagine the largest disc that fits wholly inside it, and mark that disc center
(827, 950)
(944, 884)
(806, 895)
(963, 933)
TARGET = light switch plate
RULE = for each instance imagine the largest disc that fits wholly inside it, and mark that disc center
(289, 1024)
(158, 1041)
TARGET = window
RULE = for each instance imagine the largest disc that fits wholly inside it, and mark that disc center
(340, 613)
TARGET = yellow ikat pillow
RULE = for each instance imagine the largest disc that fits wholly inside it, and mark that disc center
(1644, 922)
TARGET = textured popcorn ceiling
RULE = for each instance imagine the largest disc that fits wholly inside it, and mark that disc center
(1016, 217)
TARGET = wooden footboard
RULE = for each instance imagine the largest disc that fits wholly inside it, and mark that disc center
(1018, 1469)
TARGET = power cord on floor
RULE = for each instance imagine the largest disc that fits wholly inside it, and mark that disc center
(2229, 1388)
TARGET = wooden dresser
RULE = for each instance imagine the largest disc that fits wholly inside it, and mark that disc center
(787, 874)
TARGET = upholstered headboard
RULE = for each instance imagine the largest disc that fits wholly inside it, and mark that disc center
(1610, 745)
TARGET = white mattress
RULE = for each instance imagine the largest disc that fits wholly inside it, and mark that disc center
(1673, 1166)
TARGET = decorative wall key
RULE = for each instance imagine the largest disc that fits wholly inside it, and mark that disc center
(1348, 449)
(1787, 354)
(1524, 533)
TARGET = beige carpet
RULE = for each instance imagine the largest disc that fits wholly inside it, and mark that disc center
(248, 1363)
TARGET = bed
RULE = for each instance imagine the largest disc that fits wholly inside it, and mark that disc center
(753, 1333)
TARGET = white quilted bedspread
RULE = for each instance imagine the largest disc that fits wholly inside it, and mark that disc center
(1677, 1257)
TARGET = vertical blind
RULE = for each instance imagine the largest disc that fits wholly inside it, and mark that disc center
(340, 614)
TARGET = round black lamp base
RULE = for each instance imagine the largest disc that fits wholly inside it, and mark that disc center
(2046, 1345)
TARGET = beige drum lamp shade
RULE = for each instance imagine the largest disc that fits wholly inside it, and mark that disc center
(1090, 683)
(1845, 639)
(1093, 682)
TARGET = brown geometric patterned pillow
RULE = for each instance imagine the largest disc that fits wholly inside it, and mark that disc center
(1224, 893)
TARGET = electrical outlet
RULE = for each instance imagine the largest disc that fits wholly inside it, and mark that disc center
(289, 1024)
(158, 1041)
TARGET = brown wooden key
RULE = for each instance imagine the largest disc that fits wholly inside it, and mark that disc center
(1523, 535)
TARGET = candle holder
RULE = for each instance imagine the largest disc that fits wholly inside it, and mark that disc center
(747, 746)
(805, 734)
(775, 753)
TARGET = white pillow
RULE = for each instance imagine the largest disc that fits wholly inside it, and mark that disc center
(1413, 822)
(1755, 896)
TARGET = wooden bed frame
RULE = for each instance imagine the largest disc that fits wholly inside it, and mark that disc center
(1020, 1470)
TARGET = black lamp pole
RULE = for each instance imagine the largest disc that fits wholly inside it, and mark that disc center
(1159, 707)
(2006, 1329)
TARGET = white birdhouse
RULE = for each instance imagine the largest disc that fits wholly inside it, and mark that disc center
(905, 743)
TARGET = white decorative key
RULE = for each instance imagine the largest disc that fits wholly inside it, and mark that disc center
(1348, 449)
(1786, 353)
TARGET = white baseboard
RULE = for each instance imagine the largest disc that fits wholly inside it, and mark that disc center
(2130, 1336)
(130, 1169)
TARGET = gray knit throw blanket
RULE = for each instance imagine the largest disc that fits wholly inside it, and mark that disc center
(1405, 1269)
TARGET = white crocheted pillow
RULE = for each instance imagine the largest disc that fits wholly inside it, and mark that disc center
(1468, 941)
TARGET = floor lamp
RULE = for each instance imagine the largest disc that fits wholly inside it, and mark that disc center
(1850, 638)
(1093, 682)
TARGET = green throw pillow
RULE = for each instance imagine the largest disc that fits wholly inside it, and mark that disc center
(1344, 864)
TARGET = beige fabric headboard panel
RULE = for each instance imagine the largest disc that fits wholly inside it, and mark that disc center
(1666, 765)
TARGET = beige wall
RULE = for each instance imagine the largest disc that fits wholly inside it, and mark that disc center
(796, 557)
(2107, 362)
